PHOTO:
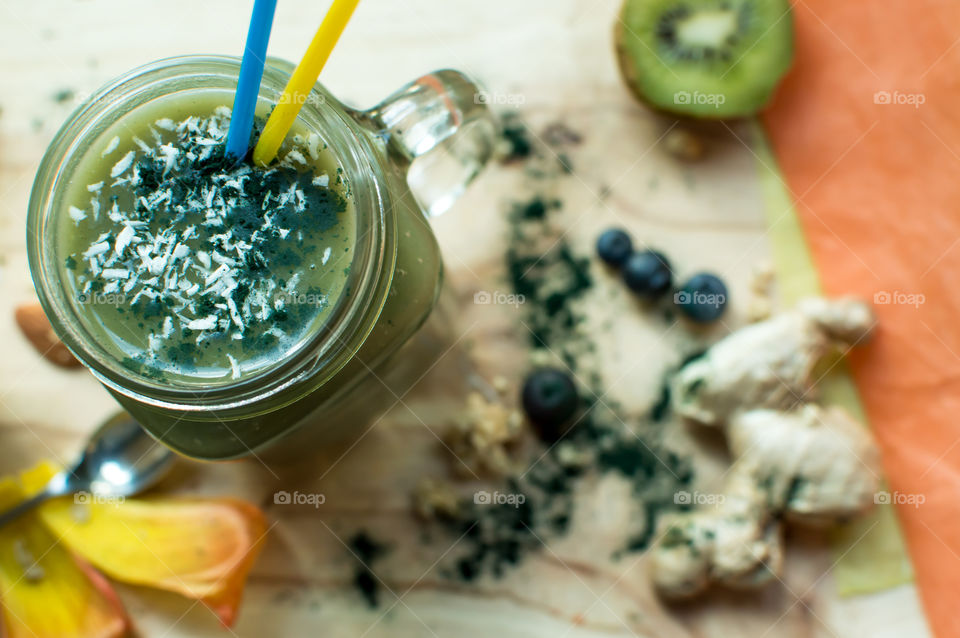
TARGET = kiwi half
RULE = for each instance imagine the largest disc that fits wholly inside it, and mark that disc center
(710, 59)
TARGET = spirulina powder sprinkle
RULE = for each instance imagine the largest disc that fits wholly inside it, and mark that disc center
(366, 551)
(555, 283)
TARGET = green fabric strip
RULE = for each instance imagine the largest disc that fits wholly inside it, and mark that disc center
(870, 552)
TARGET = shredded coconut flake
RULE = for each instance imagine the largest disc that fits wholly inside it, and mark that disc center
(111, 146)
(76, 214)
(123, 165)
(207, 323)
(234, 367)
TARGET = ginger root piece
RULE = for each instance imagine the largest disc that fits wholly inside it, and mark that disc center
(848, 321)
(736, 542)
(769, 364)
(817, 465)
(793, 461)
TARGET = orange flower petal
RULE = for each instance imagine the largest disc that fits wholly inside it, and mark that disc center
(201, 548)
(46, 592)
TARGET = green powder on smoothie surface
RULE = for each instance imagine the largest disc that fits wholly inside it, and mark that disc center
(199, 258)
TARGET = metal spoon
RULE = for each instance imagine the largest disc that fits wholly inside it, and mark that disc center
(120, 460)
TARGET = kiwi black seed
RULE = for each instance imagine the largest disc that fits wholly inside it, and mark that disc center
(710, 59)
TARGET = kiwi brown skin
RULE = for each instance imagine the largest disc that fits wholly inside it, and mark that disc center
(629, 72)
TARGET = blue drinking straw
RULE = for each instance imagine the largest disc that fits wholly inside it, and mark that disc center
(251, 72)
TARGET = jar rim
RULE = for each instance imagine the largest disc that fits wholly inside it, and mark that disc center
(329, 345)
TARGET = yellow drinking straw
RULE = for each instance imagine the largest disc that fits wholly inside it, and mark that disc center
(302, 81)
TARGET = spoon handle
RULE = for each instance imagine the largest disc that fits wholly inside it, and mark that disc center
(23, 507)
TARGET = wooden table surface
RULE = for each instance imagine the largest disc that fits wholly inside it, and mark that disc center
(555, 57)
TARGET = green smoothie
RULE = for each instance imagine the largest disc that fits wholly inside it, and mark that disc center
(194, 269)
(235, 310)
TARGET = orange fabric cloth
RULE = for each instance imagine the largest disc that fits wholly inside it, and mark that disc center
(866, 129)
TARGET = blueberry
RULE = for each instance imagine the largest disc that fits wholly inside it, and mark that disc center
(550, 399)
(648, 274)
(614, 246)
(703, 298)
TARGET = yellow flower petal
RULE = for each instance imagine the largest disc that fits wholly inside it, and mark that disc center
(201, 548)
(46, 592)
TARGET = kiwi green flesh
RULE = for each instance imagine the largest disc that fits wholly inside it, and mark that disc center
(705, 58)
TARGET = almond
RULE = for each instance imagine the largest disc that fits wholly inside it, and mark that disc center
(38, 331)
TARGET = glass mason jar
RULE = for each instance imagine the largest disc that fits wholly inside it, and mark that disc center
(321, 388)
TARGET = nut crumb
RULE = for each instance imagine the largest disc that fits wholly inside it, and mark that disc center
(683, 144)
(762, 279)
(542, 358)
(500, 383)
(572, 457)
(482, 438)
(760, 307)
(434, 499)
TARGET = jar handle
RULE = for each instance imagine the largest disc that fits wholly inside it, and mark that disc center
(441, 126)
